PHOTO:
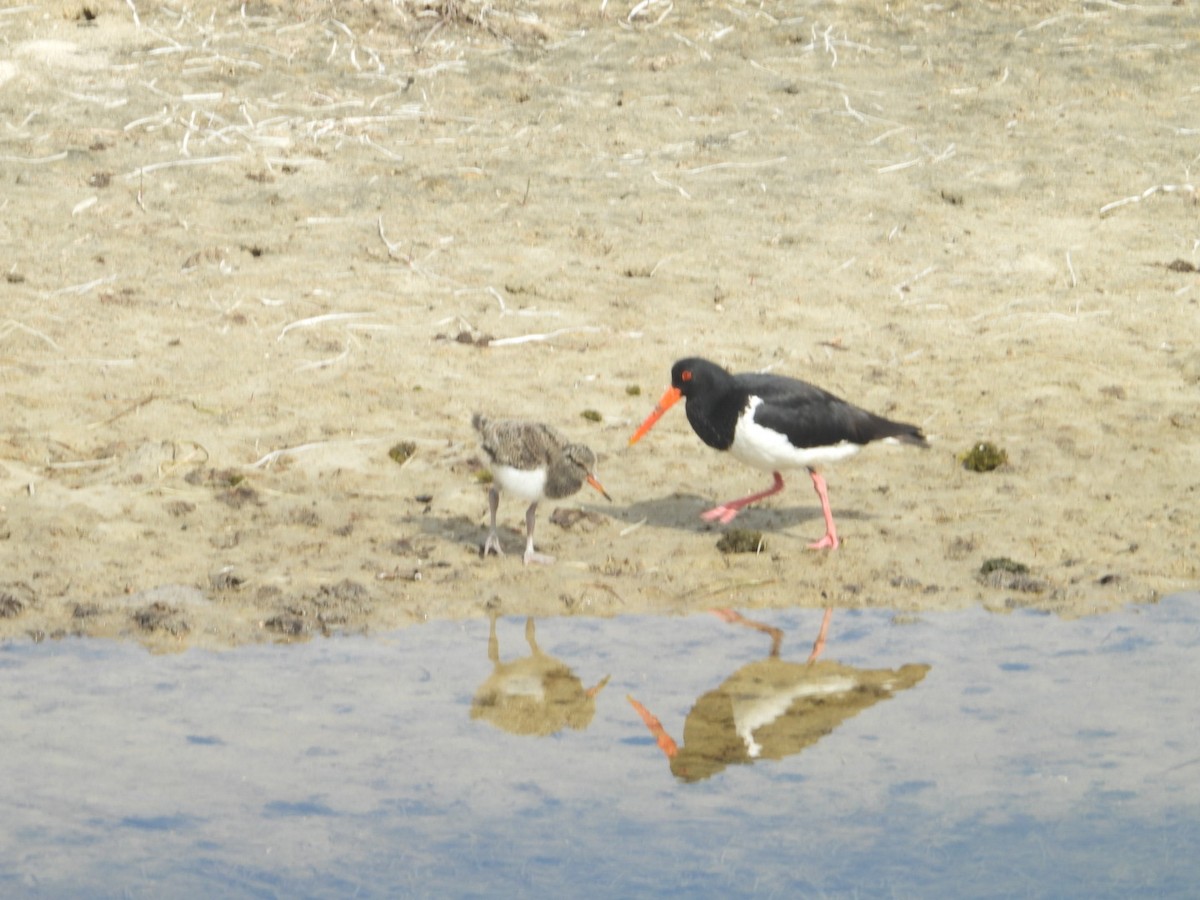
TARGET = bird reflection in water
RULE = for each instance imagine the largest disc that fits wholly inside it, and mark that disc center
(773, 708)
(536, 695)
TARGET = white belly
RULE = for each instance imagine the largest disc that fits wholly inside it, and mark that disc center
(769, 450)
(752, 713)
(528, 485)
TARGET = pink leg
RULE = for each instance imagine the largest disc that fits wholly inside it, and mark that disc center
(736, 618)
(819, 643)
(492, 544)
(531, 555)
(726, 512)
(830, 541)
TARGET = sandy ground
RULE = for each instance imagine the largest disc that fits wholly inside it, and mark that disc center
(249, 249)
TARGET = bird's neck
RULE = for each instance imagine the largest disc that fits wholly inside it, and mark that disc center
(714, 417)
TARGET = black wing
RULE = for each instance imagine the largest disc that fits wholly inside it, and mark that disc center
(812, 417)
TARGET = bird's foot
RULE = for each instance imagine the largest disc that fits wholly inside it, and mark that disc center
(724, 514)
(541, 559)
(492, 545)
(829, 542)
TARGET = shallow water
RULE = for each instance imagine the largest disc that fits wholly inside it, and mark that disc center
(1036, 757)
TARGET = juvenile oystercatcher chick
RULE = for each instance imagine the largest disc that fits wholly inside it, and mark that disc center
(532, 461)
(773, 423)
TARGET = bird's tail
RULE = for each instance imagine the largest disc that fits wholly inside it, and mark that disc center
(910, 434)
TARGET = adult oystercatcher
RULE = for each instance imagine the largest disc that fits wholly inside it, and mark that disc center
(532, 461)
(773, 708)
(773, 422)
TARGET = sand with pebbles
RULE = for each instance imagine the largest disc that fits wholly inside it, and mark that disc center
(262, 262)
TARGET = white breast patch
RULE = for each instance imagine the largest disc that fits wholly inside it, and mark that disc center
(528, 485)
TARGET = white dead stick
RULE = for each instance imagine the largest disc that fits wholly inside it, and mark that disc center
(645, 5)
(625, 532)
(1075, 316)
(36, 161)
(392, 249)
(304, 448)
(735, 165)
(106, 102)
(829, 44)
(950, 151)
(1149, 192)
(654, 269)
(660, 180)
(324, 363)
(81, 464)
(458, 320)
(320, 320)
(158, 121)
(175, 163)
(1123, 6)
(95, 362)
(12, 325)
(548, 336)
(390, 154)
(499, 299)
(84, 204)
(83, 288)
(896, 167)
(903, 286)
(1040, 25)
(868, 119)
(854, 113)
(704, 54)
(757, 65)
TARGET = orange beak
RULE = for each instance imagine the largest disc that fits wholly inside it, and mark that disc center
(665, 743)
(669, 399)
(591, 479)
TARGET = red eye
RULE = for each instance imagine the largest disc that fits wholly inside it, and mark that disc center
(686, 375)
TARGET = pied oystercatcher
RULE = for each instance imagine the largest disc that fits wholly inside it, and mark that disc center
(773, 708)
(532, 461)
(773, 422)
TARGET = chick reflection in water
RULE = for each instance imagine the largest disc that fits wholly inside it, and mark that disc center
(772, 708)
(536, 695)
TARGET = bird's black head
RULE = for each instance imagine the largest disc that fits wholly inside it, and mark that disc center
(695, 374)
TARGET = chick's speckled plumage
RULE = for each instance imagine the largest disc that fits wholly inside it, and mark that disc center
(533, 446)
(532, 461)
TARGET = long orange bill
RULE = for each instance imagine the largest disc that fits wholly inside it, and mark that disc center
(591, 479)
(665, 743)
(669, 399)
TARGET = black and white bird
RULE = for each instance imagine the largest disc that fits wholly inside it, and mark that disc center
(772, 422)
(532, 461)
